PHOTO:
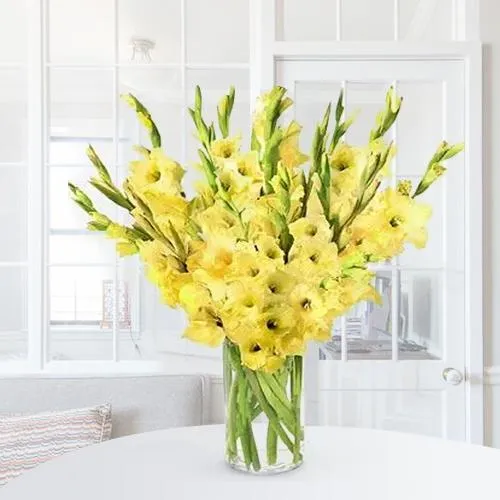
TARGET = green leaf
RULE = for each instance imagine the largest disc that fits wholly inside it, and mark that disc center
(79, 197)
(198, 102)
(339, 110)
(209, 170)
(178, 243)
(112, 194)
(98, 164)
(145, 117)
(454, 150)
(326, 119)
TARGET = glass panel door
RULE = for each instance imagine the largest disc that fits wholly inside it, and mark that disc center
(383, 366)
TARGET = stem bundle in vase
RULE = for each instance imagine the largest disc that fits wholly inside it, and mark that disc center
(273, 247)
(254, 442)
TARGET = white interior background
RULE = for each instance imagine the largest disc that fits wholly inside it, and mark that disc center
(196, 42)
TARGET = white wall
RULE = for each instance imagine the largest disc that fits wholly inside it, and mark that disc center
(490, 35)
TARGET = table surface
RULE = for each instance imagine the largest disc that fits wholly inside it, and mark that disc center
(341, 463)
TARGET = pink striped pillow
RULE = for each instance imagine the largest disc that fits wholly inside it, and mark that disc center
(29, 440)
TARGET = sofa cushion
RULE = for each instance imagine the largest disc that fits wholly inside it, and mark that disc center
(140, 403)
(29, 440)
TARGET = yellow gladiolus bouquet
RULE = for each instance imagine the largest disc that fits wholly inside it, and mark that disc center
(274, 246)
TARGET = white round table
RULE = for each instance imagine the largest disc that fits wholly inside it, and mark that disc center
(340, 463)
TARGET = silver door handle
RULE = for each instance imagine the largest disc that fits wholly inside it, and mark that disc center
(452, 376)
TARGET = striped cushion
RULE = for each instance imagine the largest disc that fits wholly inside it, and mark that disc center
(29, 440)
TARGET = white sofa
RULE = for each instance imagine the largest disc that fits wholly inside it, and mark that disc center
(140, 403)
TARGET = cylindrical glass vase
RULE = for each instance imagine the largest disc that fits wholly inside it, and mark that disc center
(264, 431)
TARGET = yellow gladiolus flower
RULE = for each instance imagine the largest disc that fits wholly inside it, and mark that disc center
(307, 302)
(157, 174)
(393, 219)
(193, 297)
(277, 321)
(206, 328)
(225, 148)
(314, 258)
(311, 227)
(290, 155)
(269, 247)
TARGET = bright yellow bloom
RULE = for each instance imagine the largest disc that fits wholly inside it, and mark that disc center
(218, 220)
(268, 247)
(393, 219)
(258, 352)
(225, 148)
(314, 259)
(290, 155)
(206, 328)
(313, 227)
(157, 174)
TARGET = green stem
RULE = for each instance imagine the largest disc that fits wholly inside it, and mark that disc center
(232, 418)
(272, 445)
(243, 420)
(296, 389)
(253, 448)
(282, 409)
(267, 408)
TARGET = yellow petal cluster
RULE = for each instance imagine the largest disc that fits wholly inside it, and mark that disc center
(276, 244)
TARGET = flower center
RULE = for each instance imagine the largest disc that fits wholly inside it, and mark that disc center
(253, 271)
(306, 304)
(272, 253)
(312, 231)
(249, 302)
(396, 221)
(314, 258)
(255, 348)
(271, 324)
(154, 176)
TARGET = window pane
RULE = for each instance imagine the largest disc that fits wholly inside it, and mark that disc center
(79, 329)
(217, 31)
(91, 249)
(13, 30)
(417, 412)
(422, 109)
(13, 313)
(13, 104)
(81, 112)
(80, 295)
(368, 325)
(367, 20)
(421, 315)
(13, 297)
(157, 21)
(365, 99)
(431, 20)
(64, 213)
(160, 91)
(321, 20)
(81, 31)
(13, 213)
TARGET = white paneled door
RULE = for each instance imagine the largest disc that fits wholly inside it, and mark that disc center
(401, 365)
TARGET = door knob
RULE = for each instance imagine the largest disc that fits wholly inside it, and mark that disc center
(452, 376)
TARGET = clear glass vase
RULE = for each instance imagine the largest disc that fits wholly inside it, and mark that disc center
(264, 431)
